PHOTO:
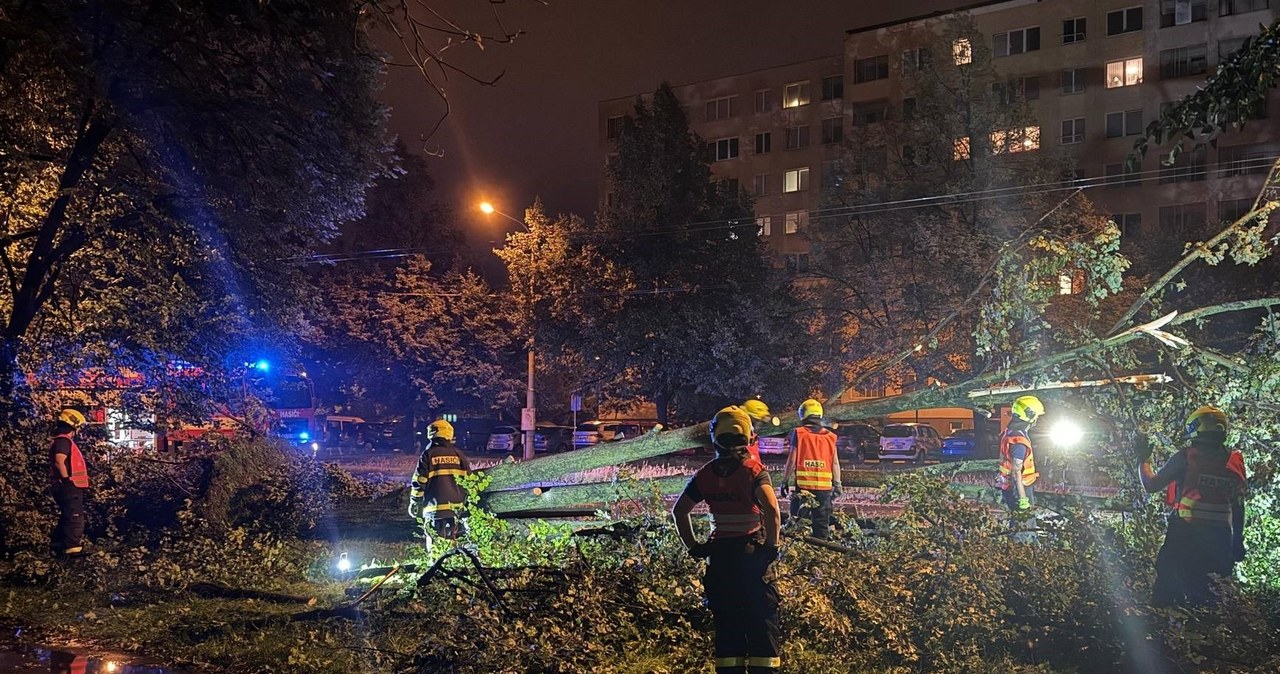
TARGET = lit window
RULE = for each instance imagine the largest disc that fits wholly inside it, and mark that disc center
(765, 225)
(962, 51)
(1015, 140)
(961, 149)
(795, 180)
(794, 221)
(1071, 282)
(795, 95)
(1124, 73)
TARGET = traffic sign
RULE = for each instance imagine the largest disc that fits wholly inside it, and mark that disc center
(575, 403)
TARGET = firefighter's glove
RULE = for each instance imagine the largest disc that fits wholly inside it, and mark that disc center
(836, 488)
(700, 551)
(783, 491)
(1142, 448)
(415, 510)
(770, 552)
(1024, 503)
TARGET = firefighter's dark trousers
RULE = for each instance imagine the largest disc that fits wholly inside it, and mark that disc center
(819, 517)
(69, 533)
(1191, 552)
(744, 605)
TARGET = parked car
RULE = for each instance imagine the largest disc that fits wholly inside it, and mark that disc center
(593, 433)
(909, 441)
(776, 444)
(960, 444)
(552, 438)
(503, 440)
(857, 442)
(471, 435)
(385, 436)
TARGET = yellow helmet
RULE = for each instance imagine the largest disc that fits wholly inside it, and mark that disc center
(730, 422)
(756, 409)
(809, 408)
(72, 418)
(1028, 409)
(1207, 422)
(440, 429)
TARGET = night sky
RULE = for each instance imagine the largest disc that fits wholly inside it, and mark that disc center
(534, 132)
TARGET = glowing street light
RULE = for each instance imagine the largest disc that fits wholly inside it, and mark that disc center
(528, 416)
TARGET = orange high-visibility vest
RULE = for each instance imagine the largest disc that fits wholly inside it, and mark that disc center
(1209, 487)
(76, 469)
(731, 499)
(1029, 473)
(815, 458)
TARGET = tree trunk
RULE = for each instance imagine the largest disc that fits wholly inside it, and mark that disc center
(662, 403)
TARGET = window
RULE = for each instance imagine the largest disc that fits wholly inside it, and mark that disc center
(798, 262)
(1124, 21)
(1189, 166)
(832, 130)
(797, 137)
(1122, 175)
(1228, 47)
(765, 225)
(1027, 87)
(1124, 73)
(1184, 61)
(613, 128)
(795, 95)
(1073, 81)
(1015, 140)
(1030, 88)
(1127, 123)
(1182, 12)
(1229, 7)
(833, 88)
(1129, 223)
(794, 220)
(763, 102)
(1175, 219)
(764, 142)
(870, 113)
(1073, 131)
(1016, 42)
(1072, 30)
(795, 180)
(1071, 282)
(960, 148)
(871, 69)
(1230, 210)
(962, 51)
(723, 149)
(909, 108)
(914, 60)
(720, 108)
(760, 185)
(1242, 160)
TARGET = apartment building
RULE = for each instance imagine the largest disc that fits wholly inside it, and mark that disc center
(1095, 72)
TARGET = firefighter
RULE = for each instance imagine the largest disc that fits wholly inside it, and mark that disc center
(435, 495)
(1016, 456)
(759, 413)
(1206, 488)
(813, 466)
(745, 523)
(68, 480)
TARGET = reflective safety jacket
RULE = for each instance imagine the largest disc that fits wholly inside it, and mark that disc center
(435, 482)
(728, 485)
(753, 449)
(76, 468)
(815, 458)
(1016, 437)
(1211, 484)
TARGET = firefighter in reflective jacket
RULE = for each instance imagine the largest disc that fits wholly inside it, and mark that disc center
(813, 466)
(745, 522)
(1206, 488)
(434, 495)
(68, 480)
(759, 413)
(1017, 457)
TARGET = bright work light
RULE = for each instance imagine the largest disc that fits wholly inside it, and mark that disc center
(1066, 433)
(344, 564)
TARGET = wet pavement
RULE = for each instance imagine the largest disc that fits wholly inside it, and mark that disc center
(29, 660)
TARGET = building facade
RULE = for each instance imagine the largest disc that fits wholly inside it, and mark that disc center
(1095, 73)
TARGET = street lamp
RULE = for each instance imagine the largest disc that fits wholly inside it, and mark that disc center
(528, 416)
